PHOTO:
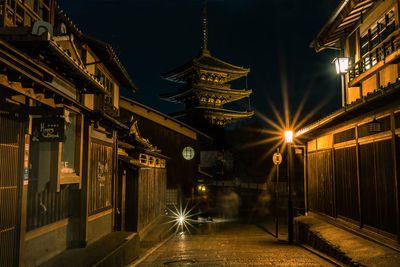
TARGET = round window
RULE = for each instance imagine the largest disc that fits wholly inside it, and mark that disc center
(188, 153)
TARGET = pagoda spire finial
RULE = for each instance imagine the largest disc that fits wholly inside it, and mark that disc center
(204, 31)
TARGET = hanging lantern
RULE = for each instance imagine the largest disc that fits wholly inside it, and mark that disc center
(375, 126)
(341, 64)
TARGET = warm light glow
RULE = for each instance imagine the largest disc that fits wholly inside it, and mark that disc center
(203, 188)
(302, 131)
(341, 64)
(275, 136)
(289, 137)
(181, 218)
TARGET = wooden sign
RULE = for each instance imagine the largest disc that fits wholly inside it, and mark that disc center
(48, 130)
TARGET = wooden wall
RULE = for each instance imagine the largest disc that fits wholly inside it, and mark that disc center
(47, 206)
(151, 195)
(320, 182)
(346, 183)
(356, 178)
(179, 171)
(11, 145)
(145, 196)
(377, 185)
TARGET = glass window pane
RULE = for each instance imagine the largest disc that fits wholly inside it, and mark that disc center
(69, 144)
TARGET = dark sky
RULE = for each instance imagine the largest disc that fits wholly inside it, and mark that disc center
(155, 36)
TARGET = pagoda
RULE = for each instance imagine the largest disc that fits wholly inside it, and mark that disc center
(205, 88)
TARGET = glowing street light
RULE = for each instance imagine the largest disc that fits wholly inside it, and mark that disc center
(181, 217)
(289, 137)
(341, 64)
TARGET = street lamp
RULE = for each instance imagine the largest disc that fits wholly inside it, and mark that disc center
(289, 137)
(289, 141)
(342, 65)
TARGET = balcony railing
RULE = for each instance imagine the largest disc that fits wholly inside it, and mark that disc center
(377, 54)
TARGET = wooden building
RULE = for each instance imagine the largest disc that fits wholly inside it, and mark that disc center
(353, 154)
(141, 184)
(178, 141)
(205, 89)
(59, 100)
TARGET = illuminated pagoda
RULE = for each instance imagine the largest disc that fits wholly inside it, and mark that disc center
(206, 88)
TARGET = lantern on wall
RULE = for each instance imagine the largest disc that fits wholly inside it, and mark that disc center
(375, 126)
(341, 64)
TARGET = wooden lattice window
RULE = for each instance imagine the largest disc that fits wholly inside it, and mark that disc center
(377, 33)
(100, 177)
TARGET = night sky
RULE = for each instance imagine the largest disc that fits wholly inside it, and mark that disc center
(154, 36)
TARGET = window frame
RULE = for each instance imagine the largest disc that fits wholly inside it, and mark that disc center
(76, 177)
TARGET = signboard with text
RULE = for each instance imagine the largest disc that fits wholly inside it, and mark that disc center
(48, 129)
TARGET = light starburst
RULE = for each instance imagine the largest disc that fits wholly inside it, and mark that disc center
(181, 218)
(283, 122)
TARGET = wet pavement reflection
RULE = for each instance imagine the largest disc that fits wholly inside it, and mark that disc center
(224, 242)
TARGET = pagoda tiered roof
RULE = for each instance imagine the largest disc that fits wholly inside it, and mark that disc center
(205, 62)
(210, 90)
(220, 114)
(207, 87)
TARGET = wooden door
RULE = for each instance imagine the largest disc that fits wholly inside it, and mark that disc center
(11, 172)
(120, 197)
(131, 202)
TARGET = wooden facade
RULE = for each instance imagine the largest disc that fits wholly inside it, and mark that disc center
(356, 181)
(353, 154)
(59, 103)
(11, 163)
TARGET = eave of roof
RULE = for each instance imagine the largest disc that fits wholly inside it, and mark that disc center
(21, 38)
(112, 122)
(235, 94)
(22, 63)
(343, 19)
(377, 99)
(225, 112)
(103, 50)
(108, 57)
(166, 117)
(208, 62)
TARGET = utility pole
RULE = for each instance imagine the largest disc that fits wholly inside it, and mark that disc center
(290, 201)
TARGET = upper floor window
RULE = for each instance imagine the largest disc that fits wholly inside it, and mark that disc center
(377, 32)
(104, 80)
(25, 12)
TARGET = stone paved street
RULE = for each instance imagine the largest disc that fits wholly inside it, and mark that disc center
(232, 244)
